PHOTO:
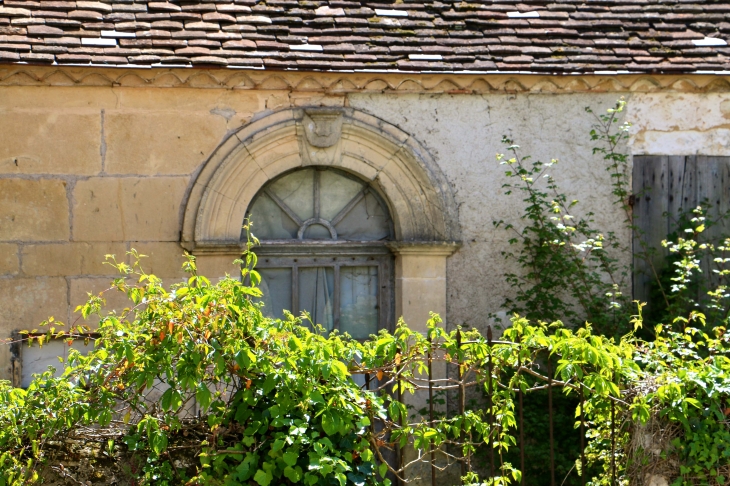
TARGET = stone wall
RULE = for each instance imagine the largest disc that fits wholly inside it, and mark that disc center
(86, 172)
(93, 163)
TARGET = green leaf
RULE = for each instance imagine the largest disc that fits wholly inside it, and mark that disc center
(290, 458)
(330, 423)
(158, 442)
(166, 399)
(293, 474)
(278, 445)
(269, 384)
(242, 359)
(203, 396)
(263, 478)
(339, 368)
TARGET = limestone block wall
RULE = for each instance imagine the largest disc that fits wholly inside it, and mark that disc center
(86, 172)
(98, 163)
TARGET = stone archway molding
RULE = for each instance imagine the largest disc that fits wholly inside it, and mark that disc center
(419, 197)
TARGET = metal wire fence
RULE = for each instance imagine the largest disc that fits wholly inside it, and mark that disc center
(483, 384)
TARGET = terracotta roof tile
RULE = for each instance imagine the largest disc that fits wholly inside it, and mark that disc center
(40, 58)
(164, 6)
(468, 35)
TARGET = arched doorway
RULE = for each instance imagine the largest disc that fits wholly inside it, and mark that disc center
(393, 164)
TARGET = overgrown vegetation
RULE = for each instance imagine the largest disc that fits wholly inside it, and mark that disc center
(567, 269)
(192, 384)
(195, 375)
(570, 270)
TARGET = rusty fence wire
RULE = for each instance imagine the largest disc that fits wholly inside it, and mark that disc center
(466, 388)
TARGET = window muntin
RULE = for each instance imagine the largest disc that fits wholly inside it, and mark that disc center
(315, 204)
(322, 234)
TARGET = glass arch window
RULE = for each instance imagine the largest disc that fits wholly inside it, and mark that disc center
(323, 235)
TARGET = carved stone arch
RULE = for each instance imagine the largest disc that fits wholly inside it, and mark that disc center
(420, 200)
(418, 196)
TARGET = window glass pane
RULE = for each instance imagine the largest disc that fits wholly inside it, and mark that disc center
(336, 191)
(316, 290)
(37, 360)
(359, 301)
(276, 287)
(367, 221)
(317, 232)
(297, 191)
(270, 222)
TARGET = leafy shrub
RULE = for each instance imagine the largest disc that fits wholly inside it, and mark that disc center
(274, 400)
(687, 385)
(193, 385)
(568, 269)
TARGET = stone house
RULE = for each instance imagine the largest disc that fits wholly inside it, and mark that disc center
(359, 134)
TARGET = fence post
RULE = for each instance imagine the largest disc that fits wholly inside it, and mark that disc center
(399, 397)
(613, 437)
(522, 420)
(490, 401)
(582, 438)
(462, 400)
(550, 420)
(430, 411)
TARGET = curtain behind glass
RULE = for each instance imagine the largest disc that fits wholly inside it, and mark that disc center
(276, 287)
(359, 301)
(316, 291)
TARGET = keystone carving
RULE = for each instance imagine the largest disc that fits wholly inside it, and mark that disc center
(322, 127)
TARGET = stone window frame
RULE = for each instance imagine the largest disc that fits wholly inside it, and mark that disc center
(299, 252)
(417, 193)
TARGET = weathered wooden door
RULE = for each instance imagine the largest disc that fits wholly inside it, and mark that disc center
(665, 187)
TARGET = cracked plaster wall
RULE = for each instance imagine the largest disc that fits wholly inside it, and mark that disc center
(86, 171)
(464, 133)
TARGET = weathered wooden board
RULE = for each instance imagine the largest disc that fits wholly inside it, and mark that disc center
(665, 187)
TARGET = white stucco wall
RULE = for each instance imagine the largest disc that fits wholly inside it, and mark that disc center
(680, 123)
(464, 133)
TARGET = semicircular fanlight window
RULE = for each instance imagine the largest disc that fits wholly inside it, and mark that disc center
(316, 204)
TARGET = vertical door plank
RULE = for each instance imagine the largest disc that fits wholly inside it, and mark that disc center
(712, 192)
(681, 192)
(640, 164)
(723, 202)
(723, 196)
(651, 183)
